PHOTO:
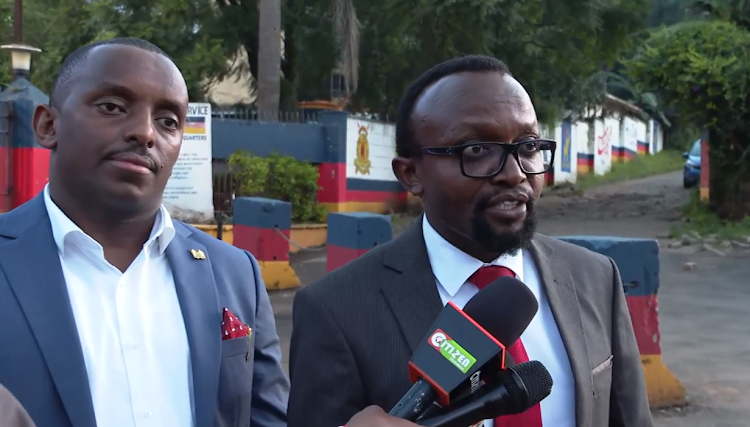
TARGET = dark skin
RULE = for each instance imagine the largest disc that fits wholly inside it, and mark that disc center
(115, 136)
(464, 107)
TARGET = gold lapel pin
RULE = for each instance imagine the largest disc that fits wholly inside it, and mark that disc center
(197, 254)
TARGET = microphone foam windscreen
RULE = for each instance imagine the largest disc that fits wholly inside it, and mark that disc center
(536, 378)
(504, 309)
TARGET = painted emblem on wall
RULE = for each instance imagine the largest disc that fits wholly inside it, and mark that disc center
(603, 142)
(565, 161)
(362, 162)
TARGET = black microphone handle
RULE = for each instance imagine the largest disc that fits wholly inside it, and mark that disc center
(415, 401)
(490, 405)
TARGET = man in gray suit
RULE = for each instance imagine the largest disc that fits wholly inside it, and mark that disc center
(12, 413)
(112, 313)
(469, 145)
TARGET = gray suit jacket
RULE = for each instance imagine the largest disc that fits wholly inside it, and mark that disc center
(41, 361)
(12, 413)
(355, 330)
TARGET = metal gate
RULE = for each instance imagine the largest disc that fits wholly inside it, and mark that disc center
(6, 152)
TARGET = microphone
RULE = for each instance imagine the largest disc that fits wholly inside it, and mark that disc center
(505, 335)
(521, 387)
(464, 347)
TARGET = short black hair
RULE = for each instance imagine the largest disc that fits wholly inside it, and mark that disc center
(73, 62)
(405, 143)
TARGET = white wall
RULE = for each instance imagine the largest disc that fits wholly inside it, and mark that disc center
(380, 139)
(566, 157)
(629, 135)
(581, 138)
(656, 134)
(605, 134)
(641, 132)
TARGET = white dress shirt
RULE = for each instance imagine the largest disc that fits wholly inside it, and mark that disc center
(130, 327)
(453, 268)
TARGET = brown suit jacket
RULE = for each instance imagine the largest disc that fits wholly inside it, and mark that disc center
(355, 330)
(12, 413)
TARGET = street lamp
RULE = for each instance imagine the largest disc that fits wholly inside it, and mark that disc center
(20, 58)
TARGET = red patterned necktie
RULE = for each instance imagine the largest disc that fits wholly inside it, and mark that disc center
(533, 417)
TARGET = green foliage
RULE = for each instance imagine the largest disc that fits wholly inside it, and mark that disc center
(280, 178)
(550, 46)
(667, 12)
(702, 70)
(189, 31)
(681, 136)
(701, 219)
(296, 182)
(249, 172)
(735, 11)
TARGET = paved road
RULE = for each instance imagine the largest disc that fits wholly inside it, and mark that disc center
(705, 326)
(705, 322)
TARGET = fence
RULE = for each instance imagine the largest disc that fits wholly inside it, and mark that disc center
(250, 114)
(224, 188)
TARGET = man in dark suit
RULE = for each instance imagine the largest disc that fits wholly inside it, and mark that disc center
(112, 313)
(469, 145)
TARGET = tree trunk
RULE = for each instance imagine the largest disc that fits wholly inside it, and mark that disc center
(729, 192)
(269, 59)
(730, 199)
(288, 91)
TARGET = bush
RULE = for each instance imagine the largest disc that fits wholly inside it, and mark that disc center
(280, 178)
(702, 70)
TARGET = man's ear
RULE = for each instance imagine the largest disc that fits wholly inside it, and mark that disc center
(405, 169)
(44, 126)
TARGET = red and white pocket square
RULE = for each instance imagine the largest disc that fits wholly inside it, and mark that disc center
(232, 327)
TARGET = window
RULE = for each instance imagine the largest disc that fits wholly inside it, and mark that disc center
(696, 150)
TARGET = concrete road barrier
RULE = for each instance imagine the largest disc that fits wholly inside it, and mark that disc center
(262, 227)
(351, 234)
(638, 262)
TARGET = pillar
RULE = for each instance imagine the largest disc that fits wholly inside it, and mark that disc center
(262, 227)
(638, 262)
(332, 171)
(354, 233)
(29, 162)
(5, 159)
(705, 168)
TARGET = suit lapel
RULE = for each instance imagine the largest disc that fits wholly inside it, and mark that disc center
(196, 290)
(563, 301)
(412, 293)
(33, 269)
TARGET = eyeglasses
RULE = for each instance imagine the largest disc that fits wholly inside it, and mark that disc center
(486, 159)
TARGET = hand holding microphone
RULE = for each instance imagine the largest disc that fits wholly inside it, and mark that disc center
(464, 348)
(519, 388)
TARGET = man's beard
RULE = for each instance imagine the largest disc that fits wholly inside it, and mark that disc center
(503, 243)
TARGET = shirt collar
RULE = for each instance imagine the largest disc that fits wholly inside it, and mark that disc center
(162, 232)
(452, 267)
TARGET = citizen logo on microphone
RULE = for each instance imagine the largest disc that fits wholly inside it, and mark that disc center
(452, 351)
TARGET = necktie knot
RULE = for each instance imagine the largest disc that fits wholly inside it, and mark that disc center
(488, 274)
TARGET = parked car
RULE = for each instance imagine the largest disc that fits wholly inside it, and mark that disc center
(691, 175)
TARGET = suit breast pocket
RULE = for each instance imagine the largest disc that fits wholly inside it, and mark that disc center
(236, 372)
(602, 378)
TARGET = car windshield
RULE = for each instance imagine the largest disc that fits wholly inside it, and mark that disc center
(696, 151)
